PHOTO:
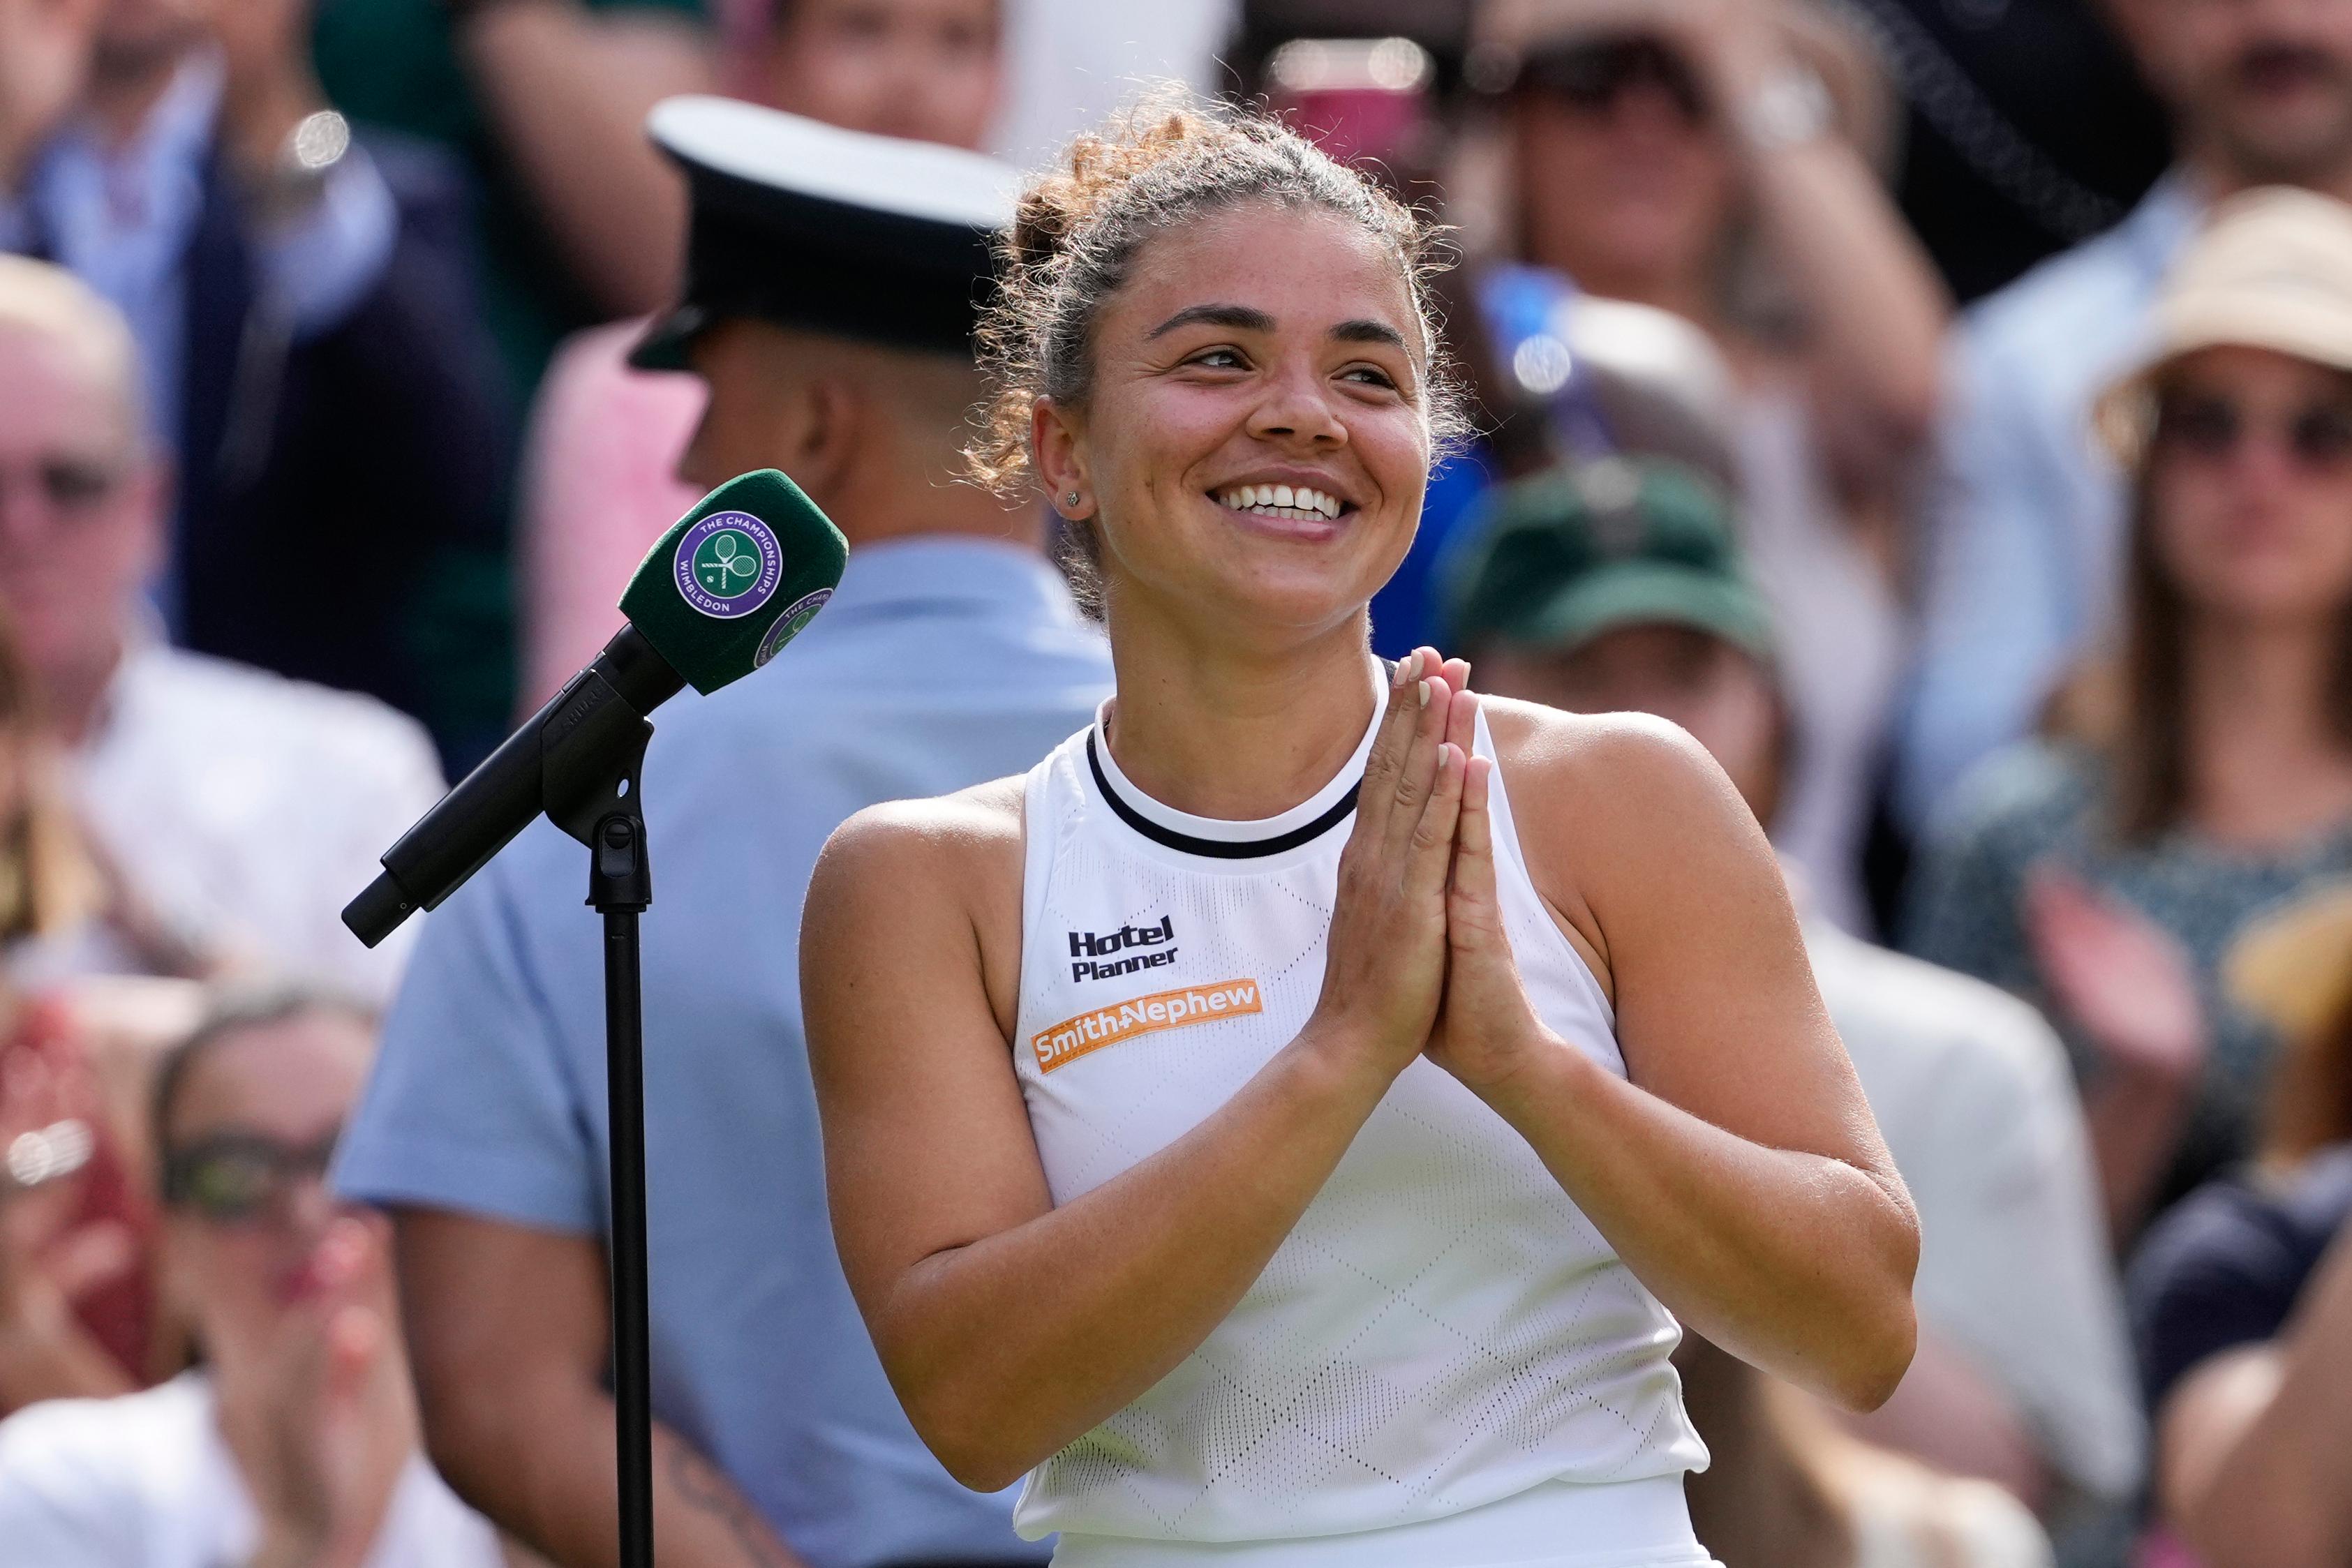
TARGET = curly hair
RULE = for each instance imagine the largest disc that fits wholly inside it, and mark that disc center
(1162, 162)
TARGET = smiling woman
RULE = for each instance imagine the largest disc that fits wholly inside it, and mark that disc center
(1353, 1226)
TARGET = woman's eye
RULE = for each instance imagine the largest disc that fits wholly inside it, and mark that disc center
(1218, 359)
(1369, 375)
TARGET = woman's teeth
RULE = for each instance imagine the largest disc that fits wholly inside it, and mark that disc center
(1281, 501)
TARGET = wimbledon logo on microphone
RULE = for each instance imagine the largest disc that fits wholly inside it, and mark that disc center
(729, 565)
(797, 614)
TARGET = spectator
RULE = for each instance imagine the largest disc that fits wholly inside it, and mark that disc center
(1716, 161)
(2242, 1295)
(2209, 771)
(2026, 530)
(308, 337)
(76, 1296)
(951, 653)
(600, 483)
(544, 101)
(296, 1443)
(240, 808)
(1617, 586)
(77, 1303)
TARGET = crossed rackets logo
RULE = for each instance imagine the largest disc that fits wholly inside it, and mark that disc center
(726, 564)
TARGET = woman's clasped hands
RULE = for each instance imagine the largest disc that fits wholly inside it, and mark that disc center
(1419, 963)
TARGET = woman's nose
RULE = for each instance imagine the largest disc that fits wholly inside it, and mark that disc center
(1296, 408)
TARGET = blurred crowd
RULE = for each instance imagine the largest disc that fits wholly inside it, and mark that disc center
(1942, 409)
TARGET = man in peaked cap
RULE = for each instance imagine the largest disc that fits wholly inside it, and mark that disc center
(833, 284)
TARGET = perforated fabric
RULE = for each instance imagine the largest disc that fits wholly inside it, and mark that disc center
(1442, 1328)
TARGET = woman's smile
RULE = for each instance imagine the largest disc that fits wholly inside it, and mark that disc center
(1297, 512)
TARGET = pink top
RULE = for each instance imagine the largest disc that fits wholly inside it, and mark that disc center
(597, 491)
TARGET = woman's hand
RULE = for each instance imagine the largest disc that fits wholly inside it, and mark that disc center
(2120, 978)
(51, 1256)
(1487, 1030)
(330, 1421)
(2130, 988)
(1386, 968)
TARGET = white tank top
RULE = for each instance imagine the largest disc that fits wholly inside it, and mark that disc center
(1442, 1328)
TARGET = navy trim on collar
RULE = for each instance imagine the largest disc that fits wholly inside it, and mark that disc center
(1219, 848)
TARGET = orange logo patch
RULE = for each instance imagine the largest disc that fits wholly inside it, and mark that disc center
(1091, 1031)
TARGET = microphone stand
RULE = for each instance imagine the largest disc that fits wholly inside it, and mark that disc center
(620, 887)
(578, 761)
(594, 790)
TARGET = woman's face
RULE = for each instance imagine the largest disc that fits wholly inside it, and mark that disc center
(261, 1108)
(1722, 695)
(1623, 182)
(926, 70)
(2250, 486)
(1258, 356)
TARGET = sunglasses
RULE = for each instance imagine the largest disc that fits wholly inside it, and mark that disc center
(69, 485)
(2211, 427)
(1593, 75)
(233, 1178)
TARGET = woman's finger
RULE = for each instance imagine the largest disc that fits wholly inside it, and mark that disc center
(1414, 779)
(1474, 851)
(1432, 839)
(1461, 720)
(1374, 797)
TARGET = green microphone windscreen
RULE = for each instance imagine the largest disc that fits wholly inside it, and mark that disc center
(736, 579)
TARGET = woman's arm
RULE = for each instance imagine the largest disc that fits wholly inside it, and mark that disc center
(1739, 1173)
(567, 92)
(1871, 297)
(1008, 1326)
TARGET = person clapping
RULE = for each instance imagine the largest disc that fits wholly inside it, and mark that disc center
(294, 1445)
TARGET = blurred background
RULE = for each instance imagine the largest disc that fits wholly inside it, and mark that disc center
(1942, 408)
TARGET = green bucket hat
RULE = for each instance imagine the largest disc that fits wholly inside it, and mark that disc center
(1558, 558)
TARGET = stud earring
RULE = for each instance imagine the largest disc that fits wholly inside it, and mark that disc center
(1073, 500)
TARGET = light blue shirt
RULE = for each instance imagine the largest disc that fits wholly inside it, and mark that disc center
(940, 664)
(2024, 536)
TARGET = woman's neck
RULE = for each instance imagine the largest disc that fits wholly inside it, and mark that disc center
(1221, 730)
(2267, 765)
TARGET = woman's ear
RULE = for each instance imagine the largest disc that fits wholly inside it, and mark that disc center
(1057, 453)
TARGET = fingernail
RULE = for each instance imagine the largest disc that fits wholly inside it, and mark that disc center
(1424, 693)
(1401, 674)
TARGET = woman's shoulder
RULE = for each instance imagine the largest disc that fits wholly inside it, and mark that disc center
(968, 843)
(977, 823)
(1608, 765)
(1609, 808)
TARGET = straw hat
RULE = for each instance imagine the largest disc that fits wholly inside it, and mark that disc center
(2293, 969)
(2271, 269)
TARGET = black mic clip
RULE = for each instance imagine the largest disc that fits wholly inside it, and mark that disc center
(578, 761)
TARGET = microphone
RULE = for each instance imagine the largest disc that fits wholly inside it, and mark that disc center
(730, 583)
